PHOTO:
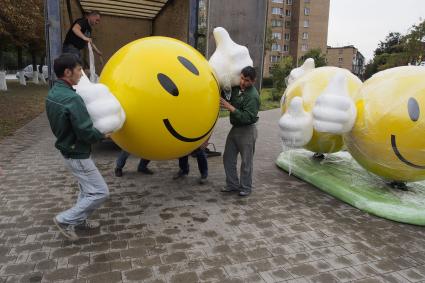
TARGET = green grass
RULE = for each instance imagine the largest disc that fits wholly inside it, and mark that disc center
(19, 105)
(266, 102)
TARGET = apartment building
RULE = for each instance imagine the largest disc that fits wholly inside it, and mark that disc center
(347, 57)
(297, 26)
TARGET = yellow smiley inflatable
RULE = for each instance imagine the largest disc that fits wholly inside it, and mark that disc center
(169, 94)
(388, 137)
(309, 87)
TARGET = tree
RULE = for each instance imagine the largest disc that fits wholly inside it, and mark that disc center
(393, 43)
(279, 73)
(270, 40)
(415, 43)
(316, 54)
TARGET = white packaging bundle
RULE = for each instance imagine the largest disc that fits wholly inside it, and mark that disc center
(105, 110)
(21, 76)
(42, 78)
(35, 77)
(3, 85)
(296, 125)
(296, 73)
(228, 59)
(334, 111)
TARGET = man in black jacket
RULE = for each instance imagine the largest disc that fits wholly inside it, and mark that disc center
(71, 124)
(79, 34)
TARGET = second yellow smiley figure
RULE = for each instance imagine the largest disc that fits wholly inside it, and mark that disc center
(169, 94)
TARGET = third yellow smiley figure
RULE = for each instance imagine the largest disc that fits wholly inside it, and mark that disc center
(169, 94)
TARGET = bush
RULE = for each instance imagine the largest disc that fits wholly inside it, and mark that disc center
(267, 82)
(279, 72)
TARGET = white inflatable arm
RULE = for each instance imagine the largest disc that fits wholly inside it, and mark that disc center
(228, 59)
(296, 125)
(334, 110)
(104, 109)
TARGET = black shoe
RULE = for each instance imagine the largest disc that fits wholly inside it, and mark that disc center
(179, 175)
(398, 185)
(245, 193)
(228, 190)
(146, 171)
(118, 172)
(202, 180)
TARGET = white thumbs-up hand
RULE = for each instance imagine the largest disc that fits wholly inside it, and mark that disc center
(296, 125)
(228, 59)
(104, 109)
(300, 71)
(334, 110)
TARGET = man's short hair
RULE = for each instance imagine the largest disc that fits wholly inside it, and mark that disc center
(94, 13)
(65, 61)
(249, 72)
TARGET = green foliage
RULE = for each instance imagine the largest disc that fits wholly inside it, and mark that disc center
(398, 50)
(317, 55)
(279, 72)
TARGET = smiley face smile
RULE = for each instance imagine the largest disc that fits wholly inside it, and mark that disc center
(399, 156)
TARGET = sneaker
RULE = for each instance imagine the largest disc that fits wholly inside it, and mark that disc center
(202, 180)
(146, 171)
(179, 175)
(245, 193)
(118, 172)
(66, 229)
(88, 225)
(227, 189)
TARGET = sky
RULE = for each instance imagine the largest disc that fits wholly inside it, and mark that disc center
(364, 23)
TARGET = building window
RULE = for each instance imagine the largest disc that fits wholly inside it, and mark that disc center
(305, 35)
(276, 47)
(306, 1)
(306, 11)
(340, 59)
(287, 36)
(274, 59)
(287, 24)
(288, 13)
(306, 23)
(277, 35)
(276, 23)
(277, 11)
(288, 2)
(277, 1)
(304, 47)
(286, 47)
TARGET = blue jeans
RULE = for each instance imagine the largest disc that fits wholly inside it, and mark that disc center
(69, 48)
(93, 191)
(201, 157)
(122, 159)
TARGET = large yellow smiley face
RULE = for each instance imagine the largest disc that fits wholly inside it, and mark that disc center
(388, 138)
(169, 94)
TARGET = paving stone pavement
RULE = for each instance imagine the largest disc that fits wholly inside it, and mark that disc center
(155, 229)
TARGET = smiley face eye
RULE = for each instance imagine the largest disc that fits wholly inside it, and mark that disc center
(413, 108)
(168, 84)
(188, 65)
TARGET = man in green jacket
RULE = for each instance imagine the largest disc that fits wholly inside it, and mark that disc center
(74, 131)
(243, 106)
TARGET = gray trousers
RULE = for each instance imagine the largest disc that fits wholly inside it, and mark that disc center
(93, 191)
(240, 140)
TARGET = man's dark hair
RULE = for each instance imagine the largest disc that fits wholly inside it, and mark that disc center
(65, 61)
(249, 72)
(93, 13)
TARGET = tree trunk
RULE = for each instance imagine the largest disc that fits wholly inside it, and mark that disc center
(34, 68)
(22, 80)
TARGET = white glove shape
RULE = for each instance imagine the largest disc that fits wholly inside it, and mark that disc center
(104, 109)
(296, 125)
(228, 59)
(334, 110)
